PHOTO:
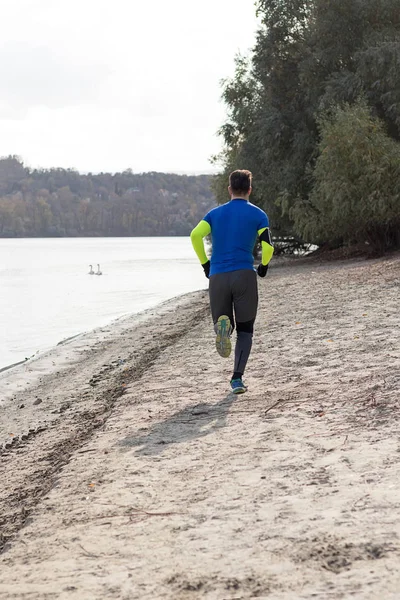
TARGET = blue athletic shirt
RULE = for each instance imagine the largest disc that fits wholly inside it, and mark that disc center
(234, 228)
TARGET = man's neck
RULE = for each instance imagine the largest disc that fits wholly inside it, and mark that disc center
(234, 197)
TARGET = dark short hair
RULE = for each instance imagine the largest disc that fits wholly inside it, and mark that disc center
(240, 182)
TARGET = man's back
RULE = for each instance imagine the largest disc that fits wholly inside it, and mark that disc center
(234, 228)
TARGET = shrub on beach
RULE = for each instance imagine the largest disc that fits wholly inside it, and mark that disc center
(356, 193)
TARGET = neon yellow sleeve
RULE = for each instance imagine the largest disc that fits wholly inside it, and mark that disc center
(199, 232)
(267, 250)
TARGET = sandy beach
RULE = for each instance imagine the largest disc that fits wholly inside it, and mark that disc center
(128, 470)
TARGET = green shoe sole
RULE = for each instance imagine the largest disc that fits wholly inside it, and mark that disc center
(223, 342)
(241, 390)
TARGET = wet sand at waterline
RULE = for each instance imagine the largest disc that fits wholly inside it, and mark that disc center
(129, 471)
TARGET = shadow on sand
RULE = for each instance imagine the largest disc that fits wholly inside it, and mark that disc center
(184, 426)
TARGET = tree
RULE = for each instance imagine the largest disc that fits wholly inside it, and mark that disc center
(310, 57)
(59, 202)
(356, 192)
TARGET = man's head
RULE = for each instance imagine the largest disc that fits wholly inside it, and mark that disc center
(240, 184)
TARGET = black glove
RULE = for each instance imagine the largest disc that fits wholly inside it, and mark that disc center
(262, 270)
(206, 268)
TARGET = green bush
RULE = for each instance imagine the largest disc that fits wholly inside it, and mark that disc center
(355, 197)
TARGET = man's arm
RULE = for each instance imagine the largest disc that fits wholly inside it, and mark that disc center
(197, 238)
(267, 251)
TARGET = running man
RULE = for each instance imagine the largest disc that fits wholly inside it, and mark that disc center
(234, 227)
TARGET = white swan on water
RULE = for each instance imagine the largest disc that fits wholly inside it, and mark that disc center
(98, 270)
(91, 272)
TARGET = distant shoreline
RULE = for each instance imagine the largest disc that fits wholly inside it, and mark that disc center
(65, 203)
(17, 364)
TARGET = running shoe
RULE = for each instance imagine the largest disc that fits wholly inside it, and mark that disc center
(238, 386)
(222, 341)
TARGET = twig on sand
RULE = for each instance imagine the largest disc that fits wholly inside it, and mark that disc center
(140, 513)
(340, 445)
(275, 405)
(356, 503)
(106, 517)
(285, 401)
(90, 553)
(332, 433)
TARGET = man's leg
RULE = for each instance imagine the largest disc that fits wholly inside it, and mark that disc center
(244, 343)
(245, 301)
(222, 312)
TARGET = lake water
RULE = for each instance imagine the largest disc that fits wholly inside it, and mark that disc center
(47, 295)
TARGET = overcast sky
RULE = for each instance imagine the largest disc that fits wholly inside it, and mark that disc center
(102, 85)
